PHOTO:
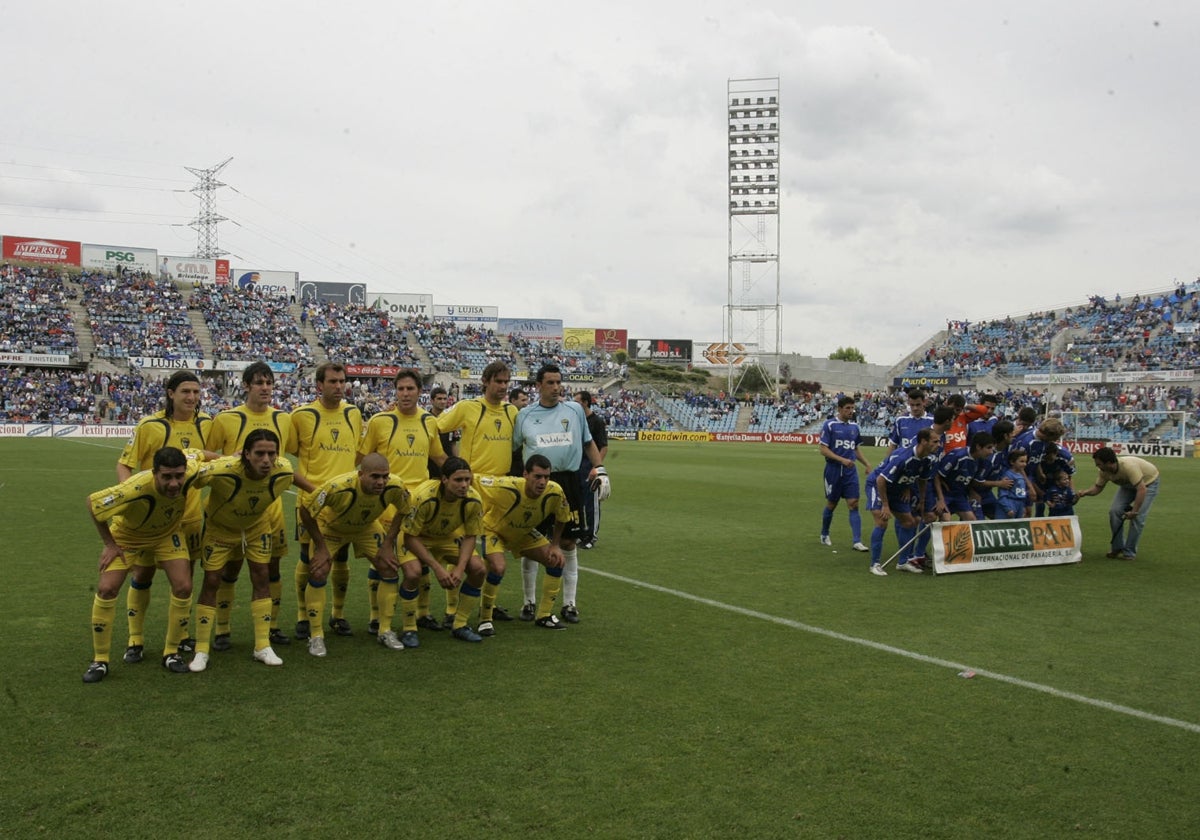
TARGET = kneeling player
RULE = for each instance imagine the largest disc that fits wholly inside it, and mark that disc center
(892, 490)
(239, 527)
(957, 475)
(440, 531)
(345, 511)
(146, 511)
(512, 507)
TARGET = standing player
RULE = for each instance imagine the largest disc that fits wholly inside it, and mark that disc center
(182, 425)
(956, 435)
(486, 423)
(512, 507)
(228, 436)
(344, 511)
(839, 442)
(324, 439)
(591, 503)
(239, 526)
(904, 429)
(559, 430)
(440, 532)
(146, 511)
(438, 400)
(520, 399)
(407, 436)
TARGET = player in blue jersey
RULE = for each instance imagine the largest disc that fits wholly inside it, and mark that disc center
(987, 421)
(954, 481)
(892, 490)
(1056, 463)
(927, 506)
(991, 472)
(904, 429)
(839, 442)
(1036, 441)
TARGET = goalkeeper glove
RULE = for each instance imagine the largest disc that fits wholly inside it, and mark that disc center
(600, 485)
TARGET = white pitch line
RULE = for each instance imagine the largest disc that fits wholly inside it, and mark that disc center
(919, 657)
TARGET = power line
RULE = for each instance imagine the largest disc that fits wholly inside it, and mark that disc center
(90, 184)
(92, 172)
(84, 210)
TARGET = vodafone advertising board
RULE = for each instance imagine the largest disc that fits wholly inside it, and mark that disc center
(53, 251)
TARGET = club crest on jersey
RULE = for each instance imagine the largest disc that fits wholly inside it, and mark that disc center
(333, 433)
(566, 424)
(187, 442)
(411, 440)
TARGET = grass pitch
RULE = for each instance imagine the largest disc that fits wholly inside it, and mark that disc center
(730, 676)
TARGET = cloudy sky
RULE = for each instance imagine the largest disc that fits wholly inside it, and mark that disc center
(568, 160)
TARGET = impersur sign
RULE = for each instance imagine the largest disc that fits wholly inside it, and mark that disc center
(1006, 544)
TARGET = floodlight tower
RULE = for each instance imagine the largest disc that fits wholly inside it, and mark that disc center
(206, 221)
(754, 311)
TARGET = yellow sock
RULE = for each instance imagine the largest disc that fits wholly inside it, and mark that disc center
(224, 606)
(314, 608)
(177, 623)
(389, 592)
(206, 619)
(275, 588)
(468, 599)
(424, 591)
(340, 576)
(260, 612)
(551, 586)
(373, 593)
(103, 613)
(408, 610)
(491, 589)
(137, 599)
(451, 601)
(301, 578)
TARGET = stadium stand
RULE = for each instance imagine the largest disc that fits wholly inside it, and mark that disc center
(359, 334)
(34, 317)
(132, 314)
(246, 324)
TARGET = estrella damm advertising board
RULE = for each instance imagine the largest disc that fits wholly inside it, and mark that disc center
(1006, 543)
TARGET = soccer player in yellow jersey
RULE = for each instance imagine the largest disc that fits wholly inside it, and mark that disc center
(180, 424)
(486, 423)
(238, 527)
(228, 437)
(146, 513)
(343, 512)
(486, 426)
(324, 439)
(407, 436)
(440, 532)
(512, 510)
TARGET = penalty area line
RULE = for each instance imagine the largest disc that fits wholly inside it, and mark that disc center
(908, 654)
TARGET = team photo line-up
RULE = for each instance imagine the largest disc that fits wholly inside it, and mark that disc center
(962, 460)
(441, 495)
